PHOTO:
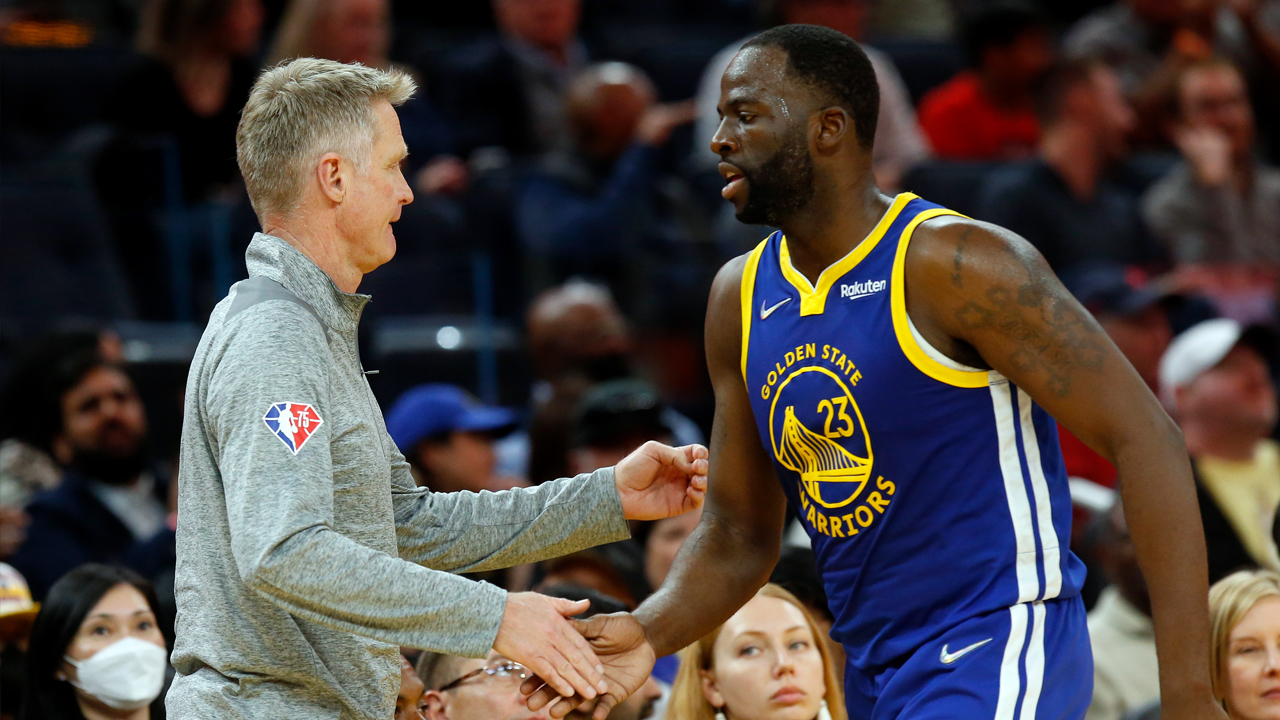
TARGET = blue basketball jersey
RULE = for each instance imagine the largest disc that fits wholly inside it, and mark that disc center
(934, 493)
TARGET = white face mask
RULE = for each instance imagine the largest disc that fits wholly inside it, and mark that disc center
(126, 675)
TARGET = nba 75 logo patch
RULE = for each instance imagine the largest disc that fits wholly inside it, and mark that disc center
(293, 423)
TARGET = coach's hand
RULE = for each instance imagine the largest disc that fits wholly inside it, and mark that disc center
(658, 481)
(536, 634)
(620, 643)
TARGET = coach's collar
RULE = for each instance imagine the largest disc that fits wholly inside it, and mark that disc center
(272, 257)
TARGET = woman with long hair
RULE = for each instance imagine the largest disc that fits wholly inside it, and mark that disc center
(96, 651)
(767, 662)
(1244, 616)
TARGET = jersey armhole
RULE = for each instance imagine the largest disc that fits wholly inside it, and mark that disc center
(924, 356)
(748, 295)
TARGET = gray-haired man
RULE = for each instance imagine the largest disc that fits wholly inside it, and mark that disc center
(305, 552)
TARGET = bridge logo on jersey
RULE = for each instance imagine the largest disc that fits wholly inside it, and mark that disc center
(816, 430)
(818, 433)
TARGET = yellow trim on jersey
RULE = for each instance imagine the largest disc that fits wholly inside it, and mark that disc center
(814, 300)
(748, 289)
(901, 323)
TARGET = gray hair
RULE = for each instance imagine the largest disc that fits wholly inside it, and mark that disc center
(301, 110)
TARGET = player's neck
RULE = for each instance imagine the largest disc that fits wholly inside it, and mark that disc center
(322, 245)
(833, 223)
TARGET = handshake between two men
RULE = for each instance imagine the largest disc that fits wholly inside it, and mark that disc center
(607, 658)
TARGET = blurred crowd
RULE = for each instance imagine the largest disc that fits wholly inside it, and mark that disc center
(543, 315)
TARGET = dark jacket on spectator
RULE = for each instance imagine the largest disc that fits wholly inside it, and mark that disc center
(483, 97)
(70, 526)
(1032, 199)
(1226, 552)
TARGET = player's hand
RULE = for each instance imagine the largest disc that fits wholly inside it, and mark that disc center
(658, 481)
(619, 641)
(536, 634)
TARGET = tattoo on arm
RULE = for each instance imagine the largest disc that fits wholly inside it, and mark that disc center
(955, 270)
(1053, 335)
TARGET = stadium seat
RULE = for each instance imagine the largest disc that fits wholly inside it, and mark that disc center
(46, 94)
(58, 260)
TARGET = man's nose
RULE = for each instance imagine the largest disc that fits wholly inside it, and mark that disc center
(722, 143)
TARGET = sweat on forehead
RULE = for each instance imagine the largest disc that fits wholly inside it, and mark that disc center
(762, 74)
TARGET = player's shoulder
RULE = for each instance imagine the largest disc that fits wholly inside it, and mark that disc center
(947, 241)
(953, 260)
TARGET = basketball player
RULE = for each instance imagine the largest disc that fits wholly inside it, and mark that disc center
(891, 370)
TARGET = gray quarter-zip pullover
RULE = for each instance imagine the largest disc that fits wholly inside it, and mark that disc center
(306, 554)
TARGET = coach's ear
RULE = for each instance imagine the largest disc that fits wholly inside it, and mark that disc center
(331, 176)
(833, 125)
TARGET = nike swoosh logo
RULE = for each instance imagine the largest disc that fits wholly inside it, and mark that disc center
(764, 313)
(948, 658)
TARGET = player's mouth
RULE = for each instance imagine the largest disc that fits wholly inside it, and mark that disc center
(734, 180)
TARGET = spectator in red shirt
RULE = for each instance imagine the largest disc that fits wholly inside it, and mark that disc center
(986, 112)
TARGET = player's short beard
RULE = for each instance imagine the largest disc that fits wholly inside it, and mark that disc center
(782, 185)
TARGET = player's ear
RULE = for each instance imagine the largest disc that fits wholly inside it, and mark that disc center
(833, 125)
(331, 177)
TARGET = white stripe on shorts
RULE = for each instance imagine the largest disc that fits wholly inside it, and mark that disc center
(1035, 663)
(1010, 684)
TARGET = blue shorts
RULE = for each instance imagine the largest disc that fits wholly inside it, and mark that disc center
(1028, 662)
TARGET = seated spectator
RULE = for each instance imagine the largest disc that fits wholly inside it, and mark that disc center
(410, 704)
(1136, 36)
(1061, 201)
(615, 569)
(613, 419)
(185, 97)
(360, 31)
(17, 612)
(196, 79)
(1125, 674)
(898, 144)
(459, 688)
(1221, 204)
(577, 337)
(640, 704)
(1244, 614)
(447, 438)
(96, 649)
(508, 92)
(986, 112)
(1135, 317)
(112, 505)
(604, 209)
(791, 676)
(1216, 381)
